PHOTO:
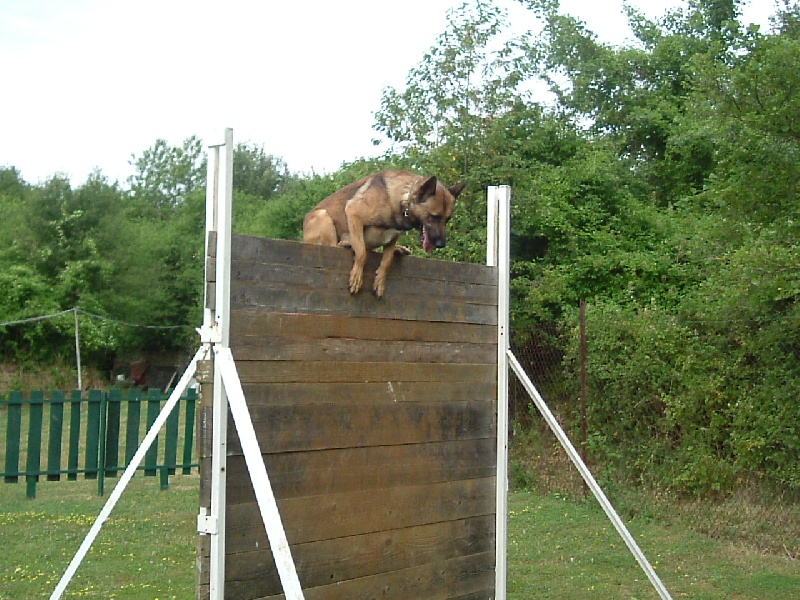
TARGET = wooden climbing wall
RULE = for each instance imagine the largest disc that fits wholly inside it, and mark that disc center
(376, 420)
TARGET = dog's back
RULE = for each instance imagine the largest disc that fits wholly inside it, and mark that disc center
(326, 224)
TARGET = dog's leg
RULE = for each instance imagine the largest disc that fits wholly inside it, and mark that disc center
(387, 259)
(383, 269)
(356, 226)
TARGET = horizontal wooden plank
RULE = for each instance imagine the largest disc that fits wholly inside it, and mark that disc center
(385, 392)
(364, 304)
(465, 578)
(365, 372)
(401, 282)
(252, 574)
(296, 474)
(248, 248)
(284, 252)
(297, 428)
(333, 302)
(262, 347)
(329, 516)
(320, 326)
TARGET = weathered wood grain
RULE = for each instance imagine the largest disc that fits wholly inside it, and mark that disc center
(376, 421)
(303, 427)
(274, 371)
(340, 559)
(384, 392)
(405, 281)
(465, 578)
(295, 474)
(315, 518)
(256, 249)
(254, 348)
(291, 325)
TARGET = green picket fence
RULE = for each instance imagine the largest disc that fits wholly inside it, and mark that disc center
(94, 435)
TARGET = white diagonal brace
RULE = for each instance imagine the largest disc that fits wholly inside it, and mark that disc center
(128, 474)
(563, 438)
(258, 474)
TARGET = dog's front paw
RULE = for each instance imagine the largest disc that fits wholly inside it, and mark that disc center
(379, 286)
(402, 250)
(344, 244)
(356, 279)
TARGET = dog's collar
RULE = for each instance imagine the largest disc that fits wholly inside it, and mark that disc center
(405, 206)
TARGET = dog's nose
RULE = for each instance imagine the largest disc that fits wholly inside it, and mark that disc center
(440, 243)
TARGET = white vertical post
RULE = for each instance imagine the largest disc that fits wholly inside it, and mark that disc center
(498, 255)
(228, 395)
(219, 200)
(78, 349)
(491, 227)
(212, 190)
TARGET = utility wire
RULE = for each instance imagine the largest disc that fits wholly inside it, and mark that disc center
(35, 319)
(88, 314)
(117, 321)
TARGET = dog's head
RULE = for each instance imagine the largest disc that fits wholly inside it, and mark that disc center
(432, 205)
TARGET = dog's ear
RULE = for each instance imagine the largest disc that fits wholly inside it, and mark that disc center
(457, 189)
(426, 188)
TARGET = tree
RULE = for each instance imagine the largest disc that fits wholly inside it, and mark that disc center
(637, 95)
(166, 174)
(257, 173)
(753, 107)
(460, 85)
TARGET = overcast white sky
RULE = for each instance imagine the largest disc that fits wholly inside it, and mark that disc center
(87, 83)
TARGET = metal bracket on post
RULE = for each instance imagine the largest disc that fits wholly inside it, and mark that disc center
(206, 523)
(209, 335)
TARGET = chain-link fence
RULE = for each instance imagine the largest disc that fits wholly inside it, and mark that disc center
(641, 371)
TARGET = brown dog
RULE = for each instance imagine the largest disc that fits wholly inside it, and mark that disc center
(374, 211)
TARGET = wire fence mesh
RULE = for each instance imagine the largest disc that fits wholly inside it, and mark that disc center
(746, 508)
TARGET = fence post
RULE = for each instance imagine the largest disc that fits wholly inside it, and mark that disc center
(132, 426)
(584, 392)
(13, 436)
(153, 410)
(93, 434)
(171, 443)
(101, 451)
(190, 430)
(33, 463)
(74, 436)
(54, 444)
(498, 255)
(113, 427)
(78, 349)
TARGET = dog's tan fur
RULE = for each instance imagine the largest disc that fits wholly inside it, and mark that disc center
(374, 211)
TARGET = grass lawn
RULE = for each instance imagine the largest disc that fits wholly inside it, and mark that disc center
(145, 550)
(561, 548)
(558, 548)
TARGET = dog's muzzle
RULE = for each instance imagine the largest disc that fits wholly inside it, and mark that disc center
(430, 243)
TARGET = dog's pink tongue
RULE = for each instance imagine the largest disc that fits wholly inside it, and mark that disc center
(426, 243)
